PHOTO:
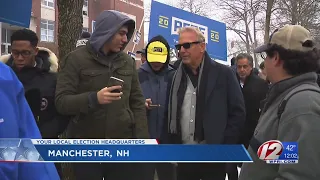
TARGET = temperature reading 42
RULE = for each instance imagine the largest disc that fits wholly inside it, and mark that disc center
(291, 147)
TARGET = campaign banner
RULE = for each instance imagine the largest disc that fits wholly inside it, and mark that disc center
(16, 12)
(166, 20)
(109, 150)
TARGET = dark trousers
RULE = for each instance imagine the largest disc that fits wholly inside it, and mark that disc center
(232, 171)
(165, 171)
(201, 171)
(109, 171)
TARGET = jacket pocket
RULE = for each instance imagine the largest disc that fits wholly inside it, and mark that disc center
(132, 124)
(91, 73)
(126, 76)
(124, 72)
(91, 80)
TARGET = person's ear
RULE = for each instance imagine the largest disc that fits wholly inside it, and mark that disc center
(36, 50)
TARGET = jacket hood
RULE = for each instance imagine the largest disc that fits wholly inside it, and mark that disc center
(50, 60)
(107, 25)
(165, 42)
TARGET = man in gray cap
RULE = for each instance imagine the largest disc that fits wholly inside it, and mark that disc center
(291, 112)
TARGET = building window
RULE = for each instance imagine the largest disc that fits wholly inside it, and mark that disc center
(85, 8)
(6, 41)
(47, 30)
(48, 3)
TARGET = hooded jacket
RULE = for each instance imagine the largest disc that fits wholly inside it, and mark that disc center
(154, 86)
(88, 70)
(17, 121)
(41, 79)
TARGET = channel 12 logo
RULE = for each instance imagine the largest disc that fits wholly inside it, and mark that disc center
(276, 152)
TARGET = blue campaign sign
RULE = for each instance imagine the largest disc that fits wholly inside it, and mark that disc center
(16, 12)
(166, 21)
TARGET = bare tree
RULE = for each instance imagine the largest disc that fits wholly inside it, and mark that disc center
(302, 12)
(69, 29)
(70, 25)
(242, 18)
(270, 4)
(200, 7)
(235, 47)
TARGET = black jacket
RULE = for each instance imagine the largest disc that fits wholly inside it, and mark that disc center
(223, 109)
(254, 91)
(39, 84)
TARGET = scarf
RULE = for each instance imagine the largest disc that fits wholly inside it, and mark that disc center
(173, 100)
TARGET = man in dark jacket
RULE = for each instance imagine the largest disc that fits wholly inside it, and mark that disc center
(254, 90)
(153, 76)
(206, 105)
(84, 91)
(36, 69)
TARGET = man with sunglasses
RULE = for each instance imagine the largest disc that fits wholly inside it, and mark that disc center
(205, 104)
(292, 109)
(36, 69)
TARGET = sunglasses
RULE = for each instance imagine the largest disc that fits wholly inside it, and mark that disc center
(186, 45)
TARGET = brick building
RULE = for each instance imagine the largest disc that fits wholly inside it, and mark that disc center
(44, 21)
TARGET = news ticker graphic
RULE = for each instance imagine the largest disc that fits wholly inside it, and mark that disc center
(276, 152)
(116, 150)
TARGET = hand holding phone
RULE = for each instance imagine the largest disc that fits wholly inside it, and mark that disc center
(116, 82)
(109, 94)
(149, 104)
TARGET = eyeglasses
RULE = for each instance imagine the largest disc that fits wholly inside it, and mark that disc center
(24, 54)
(186, 45)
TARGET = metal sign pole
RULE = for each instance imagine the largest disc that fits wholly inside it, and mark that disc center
(134, 44)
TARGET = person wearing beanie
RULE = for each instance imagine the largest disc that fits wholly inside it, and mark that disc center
(85, 36)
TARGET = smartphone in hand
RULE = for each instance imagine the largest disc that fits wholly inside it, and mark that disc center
(113, 81)
(154, 105)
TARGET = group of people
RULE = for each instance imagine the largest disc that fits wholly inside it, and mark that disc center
(196, 101)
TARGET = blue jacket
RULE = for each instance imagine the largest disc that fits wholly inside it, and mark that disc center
(17, 121)
(154, 86)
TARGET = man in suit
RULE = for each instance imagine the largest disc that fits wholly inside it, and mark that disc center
(205, 104)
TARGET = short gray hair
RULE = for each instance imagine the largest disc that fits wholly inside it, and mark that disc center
(245, 56)
(196, 30)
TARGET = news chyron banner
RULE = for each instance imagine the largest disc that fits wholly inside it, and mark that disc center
(115, 150)
(166, 20)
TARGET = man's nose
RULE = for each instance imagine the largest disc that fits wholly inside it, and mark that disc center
(19, 57)
(125, 39)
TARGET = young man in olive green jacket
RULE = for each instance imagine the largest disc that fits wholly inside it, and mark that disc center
(84, 91)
